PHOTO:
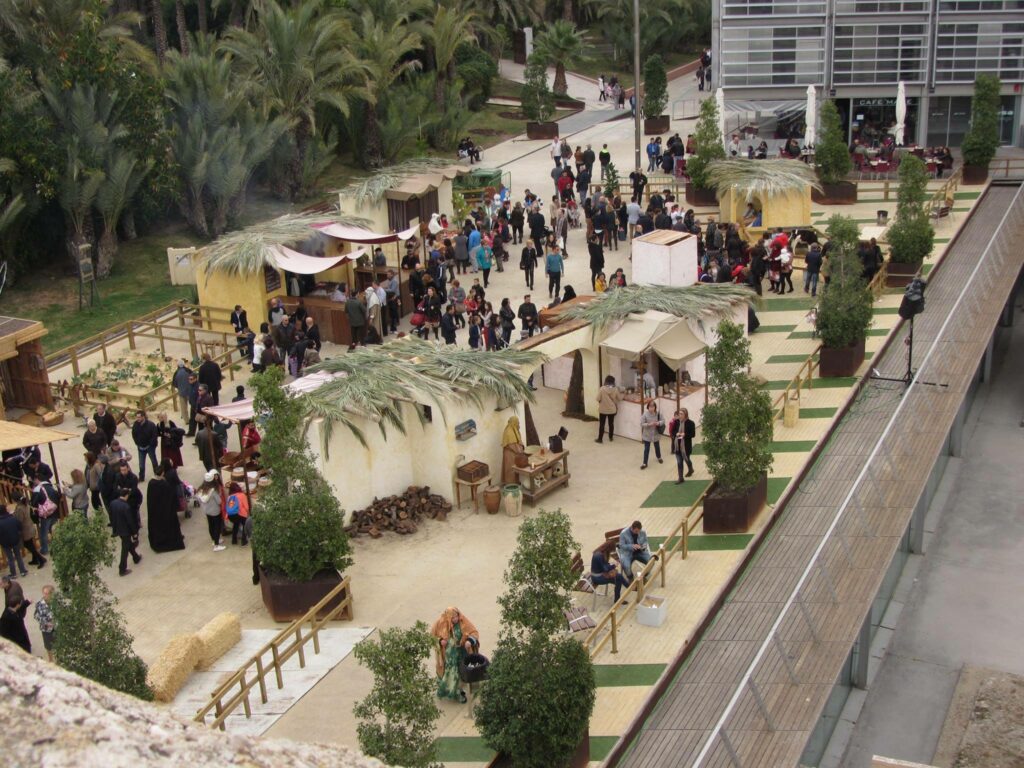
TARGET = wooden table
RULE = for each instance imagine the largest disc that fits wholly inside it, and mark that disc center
(529, 475)
(474, 491)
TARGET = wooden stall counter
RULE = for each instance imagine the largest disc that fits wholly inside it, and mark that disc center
(329, 315)
(544, 474)
(627, 420)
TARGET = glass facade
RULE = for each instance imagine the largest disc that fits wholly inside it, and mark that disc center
(965, 50)
(880, 53)
(950, 116)
(768, 8)
(760, 56)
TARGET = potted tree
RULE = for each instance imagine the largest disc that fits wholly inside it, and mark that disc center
(708, 147)
(982, 139)
(655, 96)
(844, 314)
(911, 236)
(533, 663)
(298, 534)
(538, 103)
(832, 161)
(737, 428)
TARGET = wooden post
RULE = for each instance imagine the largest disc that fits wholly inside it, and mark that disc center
(686, 540)
(661, 562)
(129, 328)
(73, 355)
(160, 338)
(615, 634)
(181, 314)
(678, 380)
(192, 343)
(103, 349)
(259, 674)
(706, 387)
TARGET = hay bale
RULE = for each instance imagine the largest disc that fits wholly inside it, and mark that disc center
(219, 636)
(53, 418)
(172, 669)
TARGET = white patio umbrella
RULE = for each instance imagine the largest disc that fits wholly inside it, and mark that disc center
(901, 113)
(720, 100)
(812, 116)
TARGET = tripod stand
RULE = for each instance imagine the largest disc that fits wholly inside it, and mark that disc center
(907, 377)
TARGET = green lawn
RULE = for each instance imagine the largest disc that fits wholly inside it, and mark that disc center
(601, 65)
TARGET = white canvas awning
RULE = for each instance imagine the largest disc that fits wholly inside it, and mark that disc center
(364, 236)
(668, 336)
(243, 409)
(303, 264)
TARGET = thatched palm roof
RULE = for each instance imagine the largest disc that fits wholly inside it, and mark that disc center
(378, 379)
(761, 178)
(247, 251)
(693, 302)
(371, 189)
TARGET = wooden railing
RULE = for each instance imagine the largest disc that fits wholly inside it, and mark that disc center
(877, 284)
(803, 378)
(676, 543)
(272, 657)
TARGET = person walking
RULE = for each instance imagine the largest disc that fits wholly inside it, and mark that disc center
(23, 514)
(144, 433)
(44, 500)
(12, 621)
(44, 617)
(211, 375)
(484, 259)
(448, 325)
(527, 313)
(651, 428)
(126, 528)
(209, 495)
(11, 541)
(517, 219)
(608, 397)
(356, 312)
(507, 318)
(596, 259)
(604, 157)
(812, 268)
(682, 431)
(528, 262)
(554, 266)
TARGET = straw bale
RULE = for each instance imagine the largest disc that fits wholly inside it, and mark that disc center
(171, 671)
(218, 636)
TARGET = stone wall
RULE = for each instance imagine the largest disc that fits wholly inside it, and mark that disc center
(58, 719)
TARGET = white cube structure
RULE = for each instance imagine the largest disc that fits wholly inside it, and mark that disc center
(665, 257)
(651, 611)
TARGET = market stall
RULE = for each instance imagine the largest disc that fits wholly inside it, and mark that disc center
(636, 348)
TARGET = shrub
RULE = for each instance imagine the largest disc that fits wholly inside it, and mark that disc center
(538, 102)
(982, 139)
(297, 521)
(611, 181)
(844, 314)
(831, 155)
(396, 719)
(708, 147)
(90, 637)
(655, 86)
(538, 700)
(478, 71)
(737, 424)
(911, 236)
(538, 578)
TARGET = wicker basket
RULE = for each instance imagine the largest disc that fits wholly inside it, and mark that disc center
(472, 471)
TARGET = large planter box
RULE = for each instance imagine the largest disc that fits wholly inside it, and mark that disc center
(975, 174)
(843, 193)
(734, 513)
(547, 130)
(288, 600)
(651, 612)
(833, 363)
(705, 198)
(899, 275)
(579, 759)
(659, 124)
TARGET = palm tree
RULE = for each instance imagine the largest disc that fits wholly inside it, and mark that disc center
(513, 13)
(384, 49)
(562, 45)
(179, 20)
(156, 18)
(293, 62)
(452, 25)
(121, 181)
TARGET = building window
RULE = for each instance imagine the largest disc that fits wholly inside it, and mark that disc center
(734, 8)
(767, 56)
(879, 53)
(980, 5)
(873, 6)
(965, 50)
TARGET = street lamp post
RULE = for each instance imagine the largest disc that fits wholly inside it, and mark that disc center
(636, 81)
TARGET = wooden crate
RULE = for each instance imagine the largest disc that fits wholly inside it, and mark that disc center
(473, 470)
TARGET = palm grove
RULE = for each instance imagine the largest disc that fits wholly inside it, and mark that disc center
(119, 113)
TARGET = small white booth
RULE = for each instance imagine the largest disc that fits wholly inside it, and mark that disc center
(635, 349)
(665, 257)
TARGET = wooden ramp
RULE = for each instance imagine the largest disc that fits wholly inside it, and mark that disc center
(752, 690)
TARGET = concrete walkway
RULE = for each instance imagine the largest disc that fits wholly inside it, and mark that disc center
(966, 606)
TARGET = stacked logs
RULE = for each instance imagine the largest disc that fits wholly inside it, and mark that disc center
(400, 514)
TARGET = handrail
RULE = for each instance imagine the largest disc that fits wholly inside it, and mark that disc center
(279, 654)
(1016, 163)
(798, 381)
(655, 567)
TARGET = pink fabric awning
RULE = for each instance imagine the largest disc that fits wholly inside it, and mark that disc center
(364, 236)
(303, 264)
(243, 409)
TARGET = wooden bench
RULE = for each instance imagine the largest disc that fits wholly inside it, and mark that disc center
(578, 620)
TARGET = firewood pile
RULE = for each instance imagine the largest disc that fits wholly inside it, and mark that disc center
(401, 514)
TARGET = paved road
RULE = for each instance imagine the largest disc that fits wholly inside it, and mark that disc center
(967, 606)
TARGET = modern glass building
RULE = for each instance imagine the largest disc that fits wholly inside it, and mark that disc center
(856, 51)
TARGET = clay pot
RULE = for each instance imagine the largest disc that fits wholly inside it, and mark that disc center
(522, 460)
(492, 499)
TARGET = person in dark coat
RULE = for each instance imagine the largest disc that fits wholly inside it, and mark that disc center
(11, 541)
(127, 480)
(356, 311)
(126, 528)
(448, 324)
(210, 375)
(105, 422)
(313, 333)
(682, 430)
(144, 433)
(162, 515)
(12, 621)
(108, 483)
(596, 259)
(95, 439)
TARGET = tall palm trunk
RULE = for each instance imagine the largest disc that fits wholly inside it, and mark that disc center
(179, 18)
(298, 161)
(128, 224)
(237, 15)
(201, 9)
(156, 17)
(106, 252)
(561, 87)
(374, 147)
(567, 13)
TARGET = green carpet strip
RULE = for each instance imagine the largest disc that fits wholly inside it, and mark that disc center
(624, 675)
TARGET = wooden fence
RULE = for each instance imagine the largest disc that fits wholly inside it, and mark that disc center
(272, 657)
(677, 543)
(802, 380)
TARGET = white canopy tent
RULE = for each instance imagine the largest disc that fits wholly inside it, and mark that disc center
(901, 114)
(668, 336)
(303, 264)
(364, 236)
(811, 117)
